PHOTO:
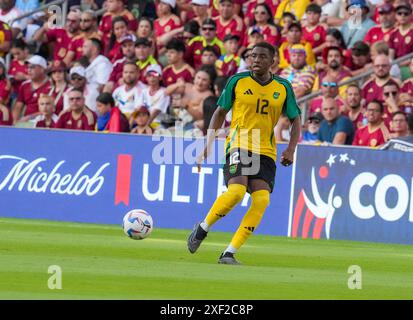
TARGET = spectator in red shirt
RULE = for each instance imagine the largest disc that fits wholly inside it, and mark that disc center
(373, 89)
(251, 5)
(375, 133)
(109, 117)
(177, 68)
(119, 30)
(78, 117)
(228, 64)
(401, 40)
(200, 8)
(47, 117)
(5, 84)
(30, 90)
(166, 22)
(59, 83)
(354, 109)
(357, 58)
(128, 52)
(60, 38)
(88, 28)
(197, 44)
(387, 21)
(18, 72)
(5, 116)
(228, 22)
(114, 9)
(399, 125)
(264, 22)
(314, 32)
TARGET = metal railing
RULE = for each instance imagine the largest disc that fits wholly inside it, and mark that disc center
(304, 100)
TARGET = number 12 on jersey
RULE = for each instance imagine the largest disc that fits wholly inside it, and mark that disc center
(261, 106)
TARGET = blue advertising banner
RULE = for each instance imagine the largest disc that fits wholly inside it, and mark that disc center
(97, 178)
(353, 194)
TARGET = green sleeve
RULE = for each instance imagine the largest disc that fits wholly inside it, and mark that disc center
(291, 108)
(227, 97)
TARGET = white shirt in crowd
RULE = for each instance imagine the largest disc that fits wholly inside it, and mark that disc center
(129, 100)
(11, 15)
(97, 74)
(158, 101)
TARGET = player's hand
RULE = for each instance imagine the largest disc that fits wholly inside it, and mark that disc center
(201, 159)
(287, 158)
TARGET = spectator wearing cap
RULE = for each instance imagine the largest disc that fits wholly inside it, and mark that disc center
(387, 20)
(373, 89)
(353, 106)
(329, 89)
(294, 36)
(299, 73)
(249, 14)
(18, 72)
(144, 56)
(399, 125)
(200, 9)
(296, 7)
(47, 117)
(335, 128)
(139, 120)
(313, 125)
(109, 117)
(30, 90)
(375, 133)
(99, 68)
(114, 9)
(334, 69)
(60, 38)
(166, 22)
(355, 28)
(5, 39)
(401, 40)
(119, 30)
(128, 96)
(78, 116)
(228, 22)
(228, 64)
(154, 96)
(254, 36)
(57, 73)
(263, 23)
(177, 67)
(358, 58)
(77, 80)
(8, 13)
(5, 84)
(197, 44)
(88, 28)
(128, 55)
(314, 32)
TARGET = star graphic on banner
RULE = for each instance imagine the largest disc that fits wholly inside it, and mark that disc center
(331, 160)
(352, 162)
(344, 158)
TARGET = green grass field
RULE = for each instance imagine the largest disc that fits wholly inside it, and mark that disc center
(100, 262)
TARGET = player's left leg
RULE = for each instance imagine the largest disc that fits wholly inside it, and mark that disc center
(260, 199)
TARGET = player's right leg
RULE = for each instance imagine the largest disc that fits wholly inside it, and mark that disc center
(237, 187)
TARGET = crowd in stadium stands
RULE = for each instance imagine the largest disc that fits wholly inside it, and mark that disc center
(157, 67)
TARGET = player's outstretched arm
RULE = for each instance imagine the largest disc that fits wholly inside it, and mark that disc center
(287, 157)
(216, 123)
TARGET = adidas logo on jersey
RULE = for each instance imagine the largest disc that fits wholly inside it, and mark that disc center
(248, 92)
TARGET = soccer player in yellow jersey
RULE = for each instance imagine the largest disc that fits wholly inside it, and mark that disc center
(257, 99)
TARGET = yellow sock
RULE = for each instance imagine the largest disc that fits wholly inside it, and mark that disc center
(225, 203)
(260, 202)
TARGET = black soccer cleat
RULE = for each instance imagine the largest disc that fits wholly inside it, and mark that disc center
(196, 237)
(228, 258)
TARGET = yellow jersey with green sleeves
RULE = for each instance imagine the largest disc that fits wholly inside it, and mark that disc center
(256, 108)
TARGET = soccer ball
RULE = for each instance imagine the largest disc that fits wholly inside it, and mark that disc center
(137, 224)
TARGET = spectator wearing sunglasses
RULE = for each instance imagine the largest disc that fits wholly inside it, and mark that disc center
(401, 40)
(375, 133)
(313, 125)
(329, 89)
(395, 101)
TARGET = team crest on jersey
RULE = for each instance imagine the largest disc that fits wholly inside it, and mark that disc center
(276, 95)
(233, 168)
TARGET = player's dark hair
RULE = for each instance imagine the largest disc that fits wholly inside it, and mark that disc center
(379, 103)
(97, 43)
(211, 49)
(267, 46)
(176, 44)
(106, 98)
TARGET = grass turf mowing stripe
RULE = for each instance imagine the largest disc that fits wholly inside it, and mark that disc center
(100, 262)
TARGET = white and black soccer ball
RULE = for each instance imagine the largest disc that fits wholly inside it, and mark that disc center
(137, 224)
